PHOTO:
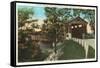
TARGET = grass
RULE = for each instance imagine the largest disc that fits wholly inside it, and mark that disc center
(72, 50)
(91, 52)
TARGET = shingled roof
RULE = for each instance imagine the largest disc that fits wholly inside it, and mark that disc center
(78, 20)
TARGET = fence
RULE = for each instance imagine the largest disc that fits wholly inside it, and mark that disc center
(85, 43)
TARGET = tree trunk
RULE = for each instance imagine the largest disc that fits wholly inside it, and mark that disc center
(55, 48)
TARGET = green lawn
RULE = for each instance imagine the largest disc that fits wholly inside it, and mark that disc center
(91, 52)
(72, 50)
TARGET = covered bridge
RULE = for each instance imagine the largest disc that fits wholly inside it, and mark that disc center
(77, 27)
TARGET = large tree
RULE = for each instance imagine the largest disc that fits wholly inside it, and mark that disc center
(55, 23)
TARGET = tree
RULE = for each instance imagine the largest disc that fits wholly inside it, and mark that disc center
(89, 15)
(55, 20)
(28, 50)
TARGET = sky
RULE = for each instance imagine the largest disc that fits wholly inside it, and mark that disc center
(39, 13)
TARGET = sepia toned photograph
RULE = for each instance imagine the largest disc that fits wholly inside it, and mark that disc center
(55, 33)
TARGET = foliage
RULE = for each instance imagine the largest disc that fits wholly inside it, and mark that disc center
(55, 29)
(87, 14)
(24, 14)
(28, 50)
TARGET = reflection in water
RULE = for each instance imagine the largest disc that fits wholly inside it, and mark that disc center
(45, 45)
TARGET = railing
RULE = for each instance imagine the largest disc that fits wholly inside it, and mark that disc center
(40, 38)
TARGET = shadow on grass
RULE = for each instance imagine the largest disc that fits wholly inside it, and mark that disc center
(72, 50)
(91, 52)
